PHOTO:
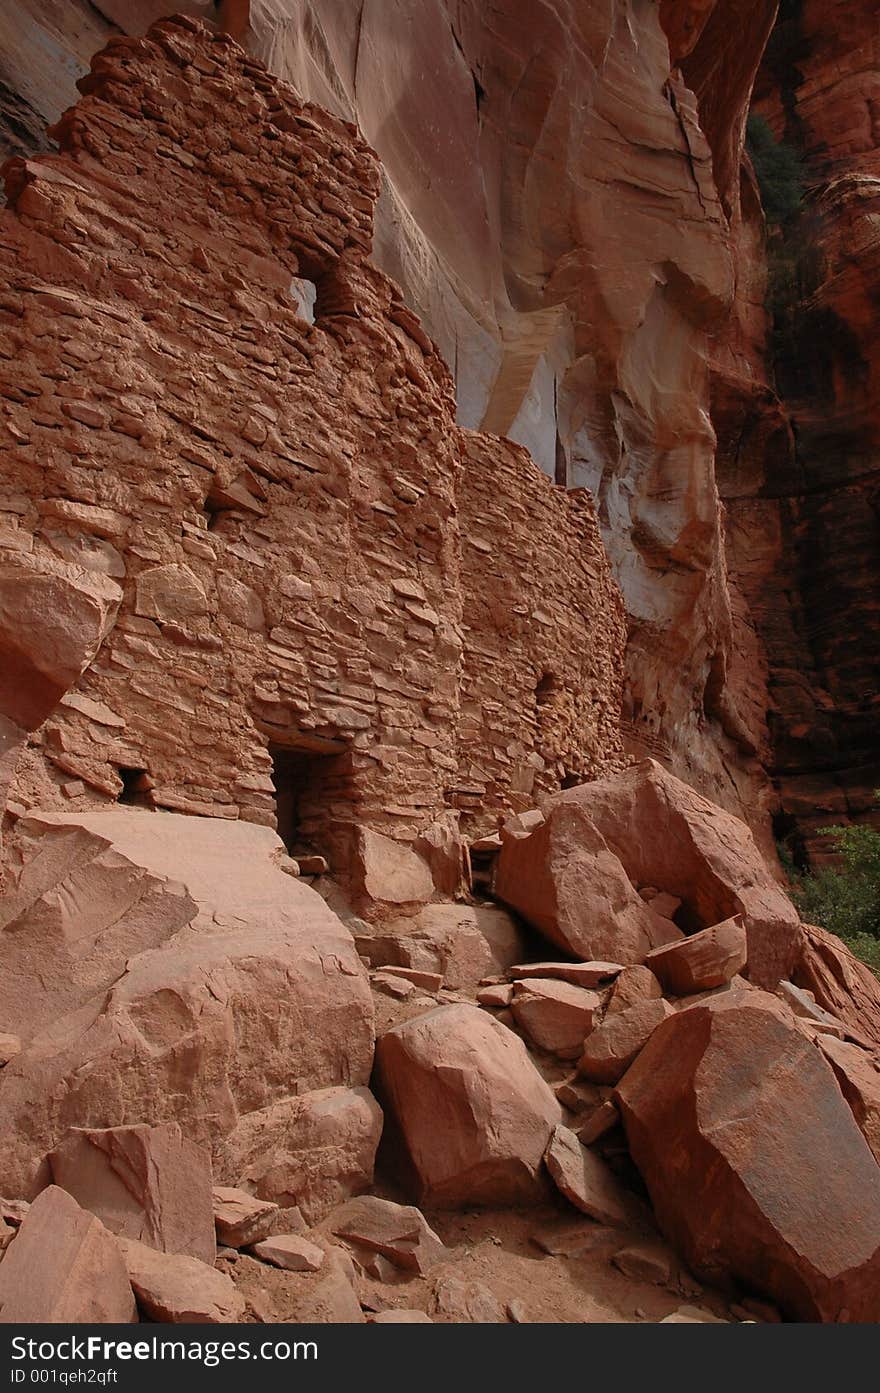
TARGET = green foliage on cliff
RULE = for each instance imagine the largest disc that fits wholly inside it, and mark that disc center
(846, 899)
(778, 169)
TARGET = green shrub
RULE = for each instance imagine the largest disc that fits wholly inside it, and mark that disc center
(845, 899)
(778, 169)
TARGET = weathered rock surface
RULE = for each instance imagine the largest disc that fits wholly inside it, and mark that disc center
(239, 1218)
(173, 1288)
(330, 1298)
(148, 1183)
(578, 974)
(290, 1251)
(53, 620)
(463, 942)
(313, 1150)
(704, 960)
(756, 1169)
(64, 1267)
(466, 1301)
(176, 1032)
(518, 241)
(586, 1181)
(857, 1073)
(400, 1232)
(567, 882)
(668, 836)
(839, 982)
(472, 1114)
(611, 1048)
(635, 984)
(402, 1316)
(817, 601)
(555, 1015)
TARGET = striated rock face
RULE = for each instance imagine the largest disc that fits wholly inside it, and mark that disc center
(804, 497)
(262, 457)
(565, 233)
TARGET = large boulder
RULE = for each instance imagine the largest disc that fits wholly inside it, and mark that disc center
(567, 882)
(667, 836)
(472, 1115)
(840, 983)
(81, 908)
(64, 1268)
(462, 942)
(555, 1015)
(148, 1183)
(259, 996)
(53, 620)
(611, 1048)
(586, 1181)
(312, 1151)
(179, 1290)
(707, 959)
(756, 1169)
(399, 1232)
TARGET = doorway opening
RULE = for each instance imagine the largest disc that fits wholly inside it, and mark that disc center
(136, 788)
(307, 783)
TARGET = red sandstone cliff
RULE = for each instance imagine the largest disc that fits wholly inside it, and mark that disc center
(565, 203)
(803, 491)
(254, 572)
(559, 203)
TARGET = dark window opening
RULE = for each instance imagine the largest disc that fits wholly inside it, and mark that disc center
(136, 787)
(546, 688)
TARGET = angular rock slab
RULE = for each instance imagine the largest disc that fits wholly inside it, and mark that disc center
(668, 836)
(64, 1267)
(330, 1298)
(579, 974)
(173, 1288)
(707, 959)
(473, 1116)
(755, 1166)
(569, 884)
(634, 984)
(53, 620)
(462, 942)
(399, 1232)
(859, 1079)
(840, 983)
(179, 1031)
(290, 1251)
(613, 1046)
(387, 872)
(556, 1016)
(312, 1151)
(148, 1183)
(240, 1219)
(586, 1181)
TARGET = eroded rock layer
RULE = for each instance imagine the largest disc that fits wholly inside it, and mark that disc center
(804, 497)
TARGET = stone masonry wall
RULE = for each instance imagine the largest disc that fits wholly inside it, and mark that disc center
(213, 399)
(540, 608)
